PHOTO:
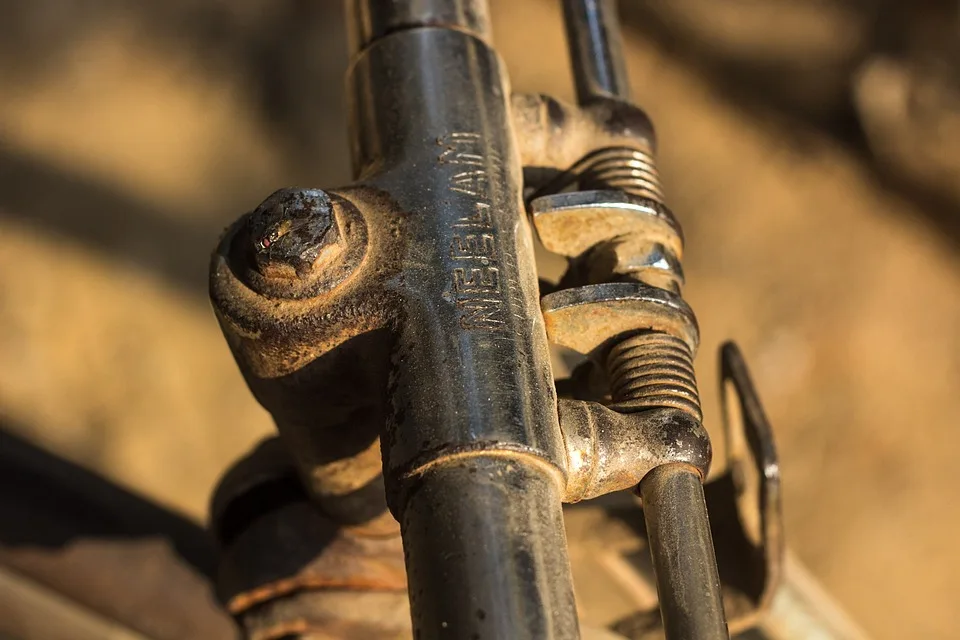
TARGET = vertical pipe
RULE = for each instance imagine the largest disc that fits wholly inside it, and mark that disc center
(373, 19)
(683, 557)
(472, 452)
(596, 50)
(674, 506)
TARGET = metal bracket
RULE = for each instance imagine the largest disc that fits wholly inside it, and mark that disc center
(744, 508)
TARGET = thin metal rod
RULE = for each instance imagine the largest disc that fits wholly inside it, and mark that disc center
(596, 50)
(683, 557)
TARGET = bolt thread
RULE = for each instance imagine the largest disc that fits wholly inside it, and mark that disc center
(654, 370)
(625, 168)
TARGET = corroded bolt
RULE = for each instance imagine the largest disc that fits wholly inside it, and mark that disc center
(294, 233)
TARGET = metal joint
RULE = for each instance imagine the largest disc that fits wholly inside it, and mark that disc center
(610, 450)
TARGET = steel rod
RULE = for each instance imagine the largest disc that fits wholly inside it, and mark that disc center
(596, 50)
(683, 557)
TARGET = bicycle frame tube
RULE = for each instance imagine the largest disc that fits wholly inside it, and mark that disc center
(473, 453)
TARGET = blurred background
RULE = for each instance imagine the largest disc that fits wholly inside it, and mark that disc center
(810, 148)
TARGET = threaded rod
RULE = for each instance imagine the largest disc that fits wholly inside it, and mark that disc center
(651, 370)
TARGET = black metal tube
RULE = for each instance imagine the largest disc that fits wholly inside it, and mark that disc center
(481, 562)
(473, 453)
(596, 50)
(684, 562)
(373, 19)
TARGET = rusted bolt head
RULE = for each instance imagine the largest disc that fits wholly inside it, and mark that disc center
(294, 232)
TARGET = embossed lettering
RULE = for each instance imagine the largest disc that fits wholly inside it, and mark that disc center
(480, 313)
(472, 183)
(473, 247)
(476, 280)
(479, 219)
(477, 286)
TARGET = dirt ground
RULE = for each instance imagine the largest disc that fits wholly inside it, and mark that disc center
(820, 205)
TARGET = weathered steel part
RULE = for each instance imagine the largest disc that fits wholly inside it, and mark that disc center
(610, 450)
(643, 330)
(572, 222)
(295, 233)
(620, 230)
(298, 243)
(319, 363)
(745, 513)
(553, 136)
(749, 529)
(287, 567)
(289, 548)
(681, 545)
(472, 363)
(374, 19)
(596, 52)
(653, 370)
(267, 477)
(627, 168)
(591, 318)
(471, 383)
(295, 548)
(628, 260)
(512, 547)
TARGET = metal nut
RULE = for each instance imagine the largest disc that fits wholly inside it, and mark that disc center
(294, 232)
(570, 223)
(591, 318)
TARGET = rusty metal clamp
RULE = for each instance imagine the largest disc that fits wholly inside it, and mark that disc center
(395, 331)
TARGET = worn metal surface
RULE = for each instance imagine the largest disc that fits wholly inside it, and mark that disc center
(553, 135)
(331, 343)
(747, 522)
(588, 319)
(437, 317)
(433, 337)
(373, 19)
(744, 506)
(653, 370)
(288, 565)
(688, 583)
(481, 559)
(471, 385)
(609, 450)
(596, 52)
(295, 233)
(647, 336)
(299, 243)
(570, 223)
